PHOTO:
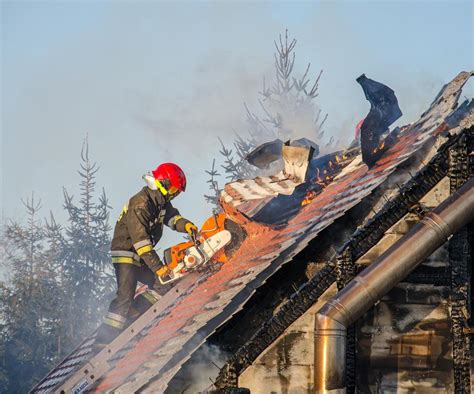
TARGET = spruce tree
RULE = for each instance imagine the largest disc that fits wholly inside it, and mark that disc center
(287, 110)
(82, 256)
(57, 285)
(30, 297)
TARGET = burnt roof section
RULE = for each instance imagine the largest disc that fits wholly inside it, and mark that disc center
(341, 267)
(201, 302)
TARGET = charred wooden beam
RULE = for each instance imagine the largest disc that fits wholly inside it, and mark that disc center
(460, 256)
(411, 192)
(436, 276)
(346, 270)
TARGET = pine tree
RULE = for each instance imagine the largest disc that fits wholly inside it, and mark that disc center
(82, 256)
(29, 305)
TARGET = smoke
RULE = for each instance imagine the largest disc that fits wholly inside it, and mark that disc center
(212, 107)
(222, 87)
(202, 373)
(297, 115)
(5, 246)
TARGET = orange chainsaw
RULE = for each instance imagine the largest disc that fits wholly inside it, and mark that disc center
(208, 244)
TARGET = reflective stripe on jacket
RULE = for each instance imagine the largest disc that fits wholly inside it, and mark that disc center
(140, 227)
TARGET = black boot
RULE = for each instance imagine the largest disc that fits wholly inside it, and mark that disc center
(141, 303)
(105, 335)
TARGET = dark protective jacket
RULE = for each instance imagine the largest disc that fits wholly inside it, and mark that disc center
(140, 226)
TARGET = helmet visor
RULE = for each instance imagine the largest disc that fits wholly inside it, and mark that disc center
(173, 190)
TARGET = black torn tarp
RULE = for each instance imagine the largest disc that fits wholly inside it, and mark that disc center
(384, 110)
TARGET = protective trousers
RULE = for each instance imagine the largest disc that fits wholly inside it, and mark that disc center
(121, 308)
(127, 276)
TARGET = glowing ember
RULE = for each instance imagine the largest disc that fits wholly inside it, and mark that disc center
(380, 147)
(308, 198)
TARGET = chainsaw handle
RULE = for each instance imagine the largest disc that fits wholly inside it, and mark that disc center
(197, 243)
(195, 239)
(172, 277)
(164, 282)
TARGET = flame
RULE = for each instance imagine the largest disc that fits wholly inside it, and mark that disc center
(379, 148)
(309, 196)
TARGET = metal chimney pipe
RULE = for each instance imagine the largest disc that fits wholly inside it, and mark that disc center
(378, 279)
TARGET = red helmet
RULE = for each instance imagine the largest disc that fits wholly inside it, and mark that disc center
(173, 173)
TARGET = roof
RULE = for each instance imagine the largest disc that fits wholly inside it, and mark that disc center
(201, 302)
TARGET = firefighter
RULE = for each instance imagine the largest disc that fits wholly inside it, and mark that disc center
(137, 231)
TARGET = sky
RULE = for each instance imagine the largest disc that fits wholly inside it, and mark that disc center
(152, 81)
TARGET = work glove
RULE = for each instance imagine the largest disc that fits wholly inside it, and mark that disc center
(163, 271)
(152, 260)
(191, 229)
